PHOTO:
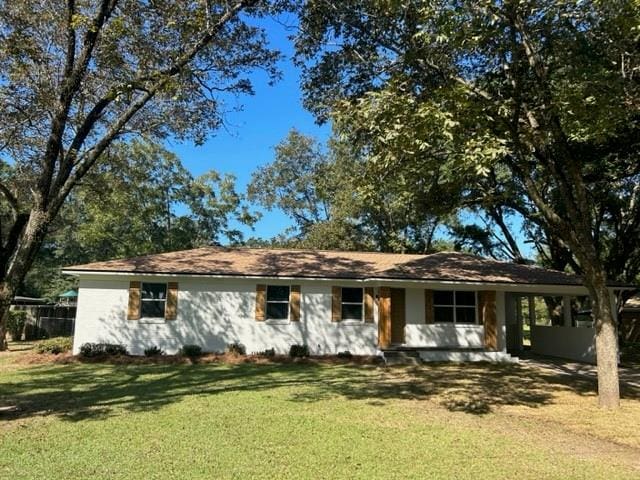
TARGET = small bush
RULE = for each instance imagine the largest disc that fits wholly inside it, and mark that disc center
(102, 349)
(345, 354)
(54, 345)
(16, 323)
(87, 350)
(114, 349)
(34, 332)
(236, 348)
(299, 351)
(191, 350)
(153, 351)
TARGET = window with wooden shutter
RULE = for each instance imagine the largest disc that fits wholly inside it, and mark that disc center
(133, 311)
(352, 304)
(454, 306)
(153, 300)
(277, 303)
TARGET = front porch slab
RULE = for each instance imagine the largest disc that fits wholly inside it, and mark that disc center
(413, 355)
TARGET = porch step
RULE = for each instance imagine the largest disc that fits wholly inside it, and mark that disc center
(401, 357)
(466, 356)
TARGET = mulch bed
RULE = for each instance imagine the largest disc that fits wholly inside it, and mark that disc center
(31, 358)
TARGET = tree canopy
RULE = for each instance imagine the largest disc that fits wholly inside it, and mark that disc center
(546, 89)
(340, 200)
(78, 75)
(141, 200)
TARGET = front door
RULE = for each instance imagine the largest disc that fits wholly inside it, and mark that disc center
(398, 319)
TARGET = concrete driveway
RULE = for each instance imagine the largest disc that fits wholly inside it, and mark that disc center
(629, 376)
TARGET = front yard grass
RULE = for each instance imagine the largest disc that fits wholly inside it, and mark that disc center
(309, 420)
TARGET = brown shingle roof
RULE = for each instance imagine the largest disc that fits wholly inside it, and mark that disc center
(254, 262)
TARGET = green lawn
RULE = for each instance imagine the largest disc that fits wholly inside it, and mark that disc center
(215, 420)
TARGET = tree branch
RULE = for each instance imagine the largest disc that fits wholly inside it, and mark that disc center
(68, 177)
(7, 250)
(70, 83)
(10, 197)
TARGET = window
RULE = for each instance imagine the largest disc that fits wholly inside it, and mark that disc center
(548, 311)
(352, 304)
(454, 307)
(277, 302)
(526, 305)
(581, 312)
(154, 299)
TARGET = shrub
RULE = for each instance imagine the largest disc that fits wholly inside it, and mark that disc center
(345, 354)
(34, 332)
(55, 345)
(114, 349)
(299, 351)
(153, 351)
(87, 350)
(269, 352)
(102, 349)
(191, 350)
(15, 324)
(236, 348)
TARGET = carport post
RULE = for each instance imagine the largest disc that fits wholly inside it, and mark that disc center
(566, 307)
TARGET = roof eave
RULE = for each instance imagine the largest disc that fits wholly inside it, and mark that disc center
(335, 278)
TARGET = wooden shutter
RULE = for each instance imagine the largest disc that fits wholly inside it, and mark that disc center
(294, 303)
(368, 305)
(428, 306)
(336, 304)
(384, 317)
(171, 307)
(487, 302)
(261, 302)
(133, 312)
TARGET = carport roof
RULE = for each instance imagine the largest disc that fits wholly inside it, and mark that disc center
(292, 263)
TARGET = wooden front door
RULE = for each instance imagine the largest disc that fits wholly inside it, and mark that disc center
(398, 319)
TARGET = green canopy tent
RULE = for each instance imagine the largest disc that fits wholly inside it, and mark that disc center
(70, 297)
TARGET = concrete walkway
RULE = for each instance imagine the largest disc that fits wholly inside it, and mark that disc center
(628, 376)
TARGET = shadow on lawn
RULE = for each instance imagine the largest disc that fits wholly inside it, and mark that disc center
(93, 391)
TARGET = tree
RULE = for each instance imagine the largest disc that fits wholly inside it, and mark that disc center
(338, 200)
(172, 210)
(75, 76)
(298, 182)
(547, 89)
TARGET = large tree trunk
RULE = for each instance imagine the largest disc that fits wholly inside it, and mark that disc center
(21, 260)
(606, 341)
(6, 296)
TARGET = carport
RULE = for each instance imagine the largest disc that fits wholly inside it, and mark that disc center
(552, 321)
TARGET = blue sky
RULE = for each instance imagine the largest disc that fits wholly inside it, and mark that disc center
(249, 137)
